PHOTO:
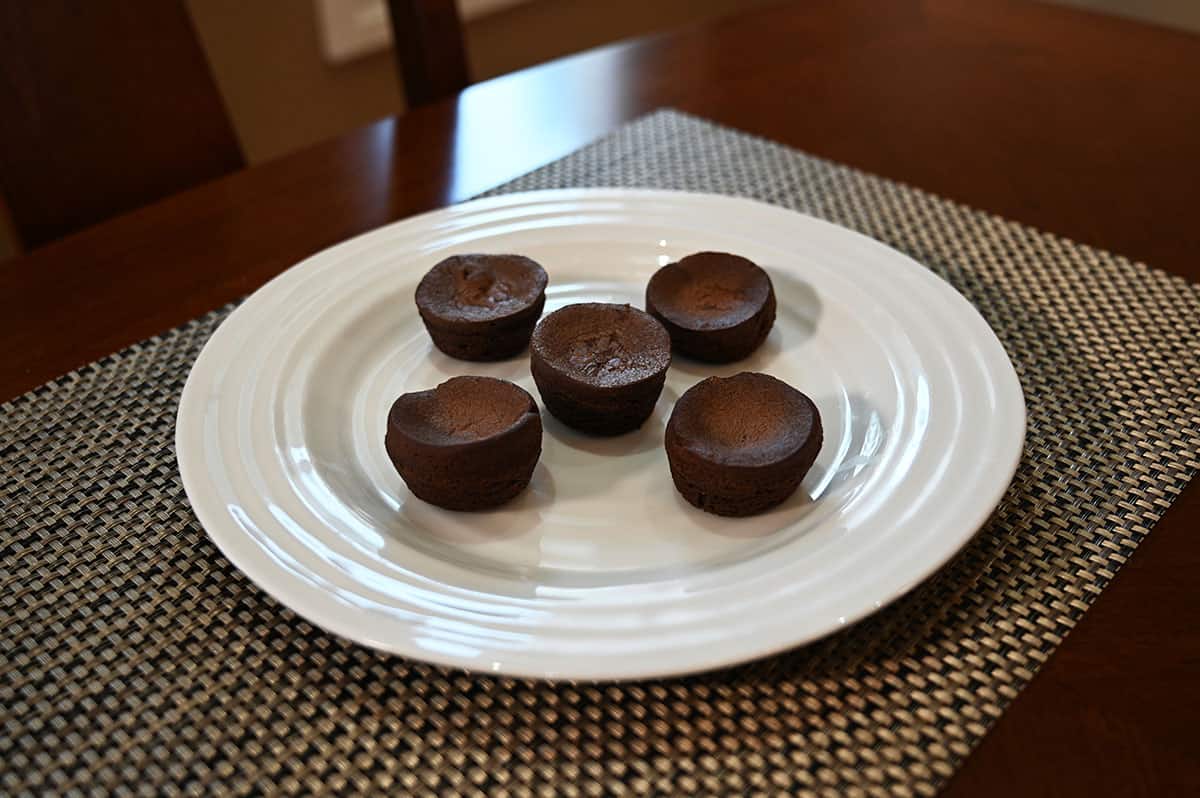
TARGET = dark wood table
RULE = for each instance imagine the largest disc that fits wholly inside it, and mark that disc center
(1083, 125)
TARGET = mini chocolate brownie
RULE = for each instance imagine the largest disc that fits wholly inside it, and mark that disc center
(482, 307)
(600, 367)
(741, 445)
(468, 444)
(716, 306)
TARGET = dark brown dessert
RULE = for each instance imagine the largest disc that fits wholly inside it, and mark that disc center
(741, 445)
(716, 306)
(600, 367)
(482, 307)
(468, 444)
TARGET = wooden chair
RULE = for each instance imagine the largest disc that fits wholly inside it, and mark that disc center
(107, 105)
(428, 38)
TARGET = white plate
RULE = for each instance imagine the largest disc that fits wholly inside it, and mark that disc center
(600, 570)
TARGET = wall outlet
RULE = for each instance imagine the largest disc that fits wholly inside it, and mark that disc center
(351, 29)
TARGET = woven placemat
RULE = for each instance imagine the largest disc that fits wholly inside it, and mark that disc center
(135, 659)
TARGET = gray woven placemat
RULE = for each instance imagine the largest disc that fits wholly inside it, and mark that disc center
(135, 659)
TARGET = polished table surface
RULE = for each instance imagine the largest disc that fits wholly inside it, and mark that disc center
(1083, 125)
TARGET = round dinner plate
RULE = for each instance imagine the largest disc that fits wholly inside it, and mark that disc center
(600, 570)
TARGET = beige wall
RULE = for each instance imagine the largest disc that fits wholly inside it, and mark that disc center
(282, 95)
(1182, 14)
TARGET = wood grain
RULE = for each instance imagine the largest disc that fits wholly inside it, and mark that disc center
(1078, 124)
